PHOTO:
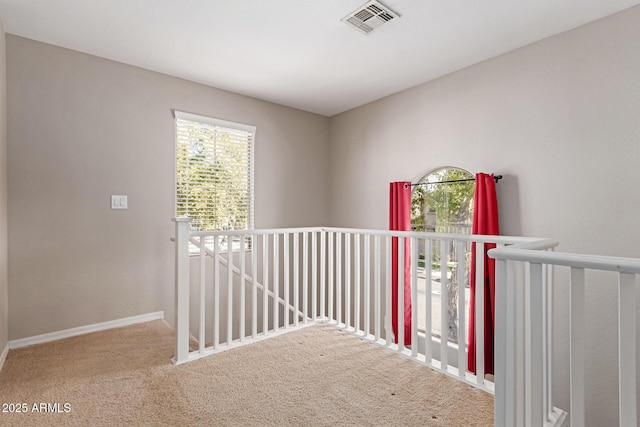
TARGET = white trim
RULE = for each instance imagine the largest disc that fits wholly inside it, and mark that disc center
(81, 330)
(3, 356)
(214, 122)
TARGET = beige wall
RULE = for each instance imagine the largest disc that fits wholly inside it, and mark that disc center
(560, 120)
(4, 290)
(82, 128)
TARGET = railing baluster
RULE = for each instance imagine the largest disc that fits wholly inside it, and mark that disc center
(515, 338)
(265, 283)
(414, 297)
(229, 289)
(202, 261)
(296, 278)
(428, 259)
(627, 349)
(356, 284)
(254, 286)
(367, 285)
(323, 268)
(576, 346)
(314, 276)
(479, 312)
(523, 366)
(376, 286)
(276, 282)
(514, 389)
(388, 312)
(216, 292)
(347, 280)
(331, 313)
(461, 252)
(535, 348)
(400, 311)
(305, 276)
(548, 350)
(339, 278)
(444, 304)
(241, 283)
(286, 273)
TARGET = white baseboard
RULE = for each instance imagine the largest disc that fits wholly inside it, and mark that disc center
(81, 330)
(3, 356)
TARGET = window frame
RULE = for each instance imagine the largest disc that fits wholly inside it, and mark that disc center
(181, 115)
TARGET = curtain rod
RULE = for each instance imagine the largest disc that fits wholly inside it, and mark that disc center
(496, 178)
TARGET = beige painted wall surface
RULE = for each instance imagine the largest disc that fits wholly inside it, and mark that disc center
(4, 290)
(82, 128)
(560, 120)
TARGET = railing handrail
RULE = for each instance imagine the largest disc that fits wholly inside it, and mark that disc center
(542, 243)
(256, 232)
(499, 239)
(595, 262)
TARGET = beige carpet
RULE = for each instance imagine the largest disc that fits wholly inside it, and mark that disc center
(317, 376)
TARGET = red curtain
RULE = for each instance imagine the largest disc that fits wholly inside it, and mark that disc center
(485, 221)
(400, 219)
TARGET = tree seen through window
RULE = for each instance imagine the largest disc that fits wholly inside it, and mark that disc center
(442, 203)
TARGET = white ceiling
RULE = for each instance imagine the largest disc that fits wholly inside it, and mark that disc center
(297, 52)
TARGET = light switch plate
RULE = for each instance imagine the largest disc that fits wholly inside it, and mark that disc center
(118, 201)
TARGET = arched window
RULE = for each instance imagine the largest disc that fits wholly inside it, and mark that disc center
(442, 202)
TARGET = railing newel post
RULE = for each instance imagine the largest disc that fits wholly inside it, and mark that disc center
(500, 351)
(181, 289)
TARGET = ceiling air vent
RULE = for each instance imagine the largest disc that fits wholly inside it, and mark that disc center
(369, 16)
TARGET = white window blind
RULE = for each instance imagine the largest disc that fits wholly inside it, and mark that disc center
(214, 172)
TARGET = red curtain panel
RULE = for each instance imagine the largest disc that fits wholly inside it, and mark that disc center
(400, 219)
(485, 221)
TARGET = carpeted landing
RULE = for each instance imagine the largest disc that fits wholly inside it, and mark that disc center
(316, 376)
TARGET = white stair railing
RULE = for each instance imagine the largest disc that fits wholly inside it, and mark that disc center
(272, 281)
(361, 262)
(528, 398)
(204, 314)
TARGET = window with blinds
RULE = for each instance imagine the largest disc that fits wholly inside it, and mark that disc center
(214, 172)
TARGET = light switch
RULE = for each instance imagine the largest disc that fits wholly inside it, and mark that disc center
(118, 201)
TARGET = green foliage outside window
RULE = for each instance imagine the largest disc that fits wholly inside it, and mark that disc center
(213, 176)
(436, 207)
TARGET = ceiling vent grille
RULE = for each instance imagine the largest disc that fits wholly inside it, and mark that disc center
(369, 16)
